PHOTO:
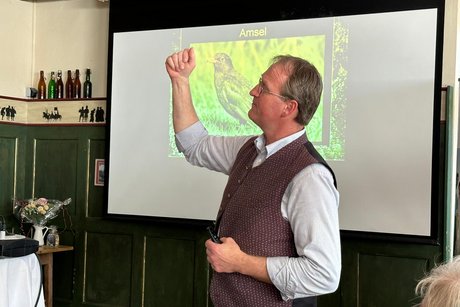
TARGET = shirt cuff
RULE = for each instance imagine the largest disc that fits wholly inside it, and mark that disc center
(276, 268)
(190, 136)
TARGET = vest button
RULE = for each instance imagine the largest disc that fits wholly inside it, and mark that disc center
(239, 180)
(228, 195)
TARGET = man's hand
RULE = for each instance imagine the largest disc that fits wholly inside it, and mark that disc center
(226, 257)
(181, 64)
(229, 258)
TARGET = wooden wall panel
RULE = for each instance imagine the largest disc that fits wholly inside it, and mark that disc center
(169, 272)
(107, 273)
(379, 273)
(55, 170)
(7, 173)
(64, 272)
(388, 281)
(95, 193)
(12, 161)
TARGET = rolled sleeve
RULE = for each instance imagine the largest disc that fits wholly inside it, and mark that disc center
(190, 136)
(217, 153)
(311, 206)
(281, 277)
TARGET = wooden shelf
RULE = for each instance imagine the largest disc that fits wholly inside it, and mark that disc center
(48, 249)
(45, 100)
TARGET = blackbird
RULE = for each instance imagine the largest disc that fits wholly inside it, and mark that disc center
(232, 88)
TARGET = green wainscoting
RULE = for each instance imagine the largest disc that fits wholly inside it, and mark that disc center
(12, 161)
(379, 274)
(141, 263)
(8, 160)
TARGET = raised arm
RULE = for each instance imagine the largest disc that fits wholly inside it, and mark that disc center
(179, 66)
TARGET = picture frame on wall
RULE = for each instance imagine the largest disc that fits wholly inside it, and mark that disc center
(99, 171)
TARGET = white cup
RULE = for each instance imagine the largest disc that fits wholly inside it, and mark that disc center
(2, 235)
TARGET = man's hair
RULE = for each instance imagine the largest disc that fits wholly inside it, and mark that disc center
(304, 85)
(441, 287)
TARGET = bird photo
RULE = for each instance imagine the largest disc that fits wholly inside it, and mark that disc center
(232, 88)
(226, 71)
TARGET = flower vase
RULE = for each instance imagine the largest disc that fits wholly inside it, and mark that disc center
(39, 234)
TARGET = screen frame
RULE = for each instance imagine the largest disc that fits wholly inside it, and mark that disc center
(138, 16)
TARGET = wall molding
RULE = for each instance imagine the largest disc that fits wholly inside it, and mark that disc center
(68, 112)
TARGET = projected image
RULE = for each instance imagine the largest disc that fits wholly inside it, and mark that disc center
(226, 72)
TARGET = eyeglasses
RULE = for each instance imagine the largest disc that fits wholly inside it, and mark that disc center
(262, 89)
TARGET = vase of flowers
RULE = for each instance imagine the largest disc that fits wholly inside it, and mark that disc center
(38, 211)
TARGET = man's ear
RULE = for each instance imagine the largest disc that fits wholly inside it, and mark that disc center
(290, 108)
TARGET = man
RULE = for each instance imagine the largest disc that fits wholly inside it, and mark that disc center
(278, 218)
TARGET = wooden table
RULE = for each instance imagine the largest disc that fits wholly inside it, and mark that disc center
(46, 258)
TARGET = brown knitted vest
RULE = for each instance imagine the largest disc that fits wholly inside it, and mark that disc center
(250, 213)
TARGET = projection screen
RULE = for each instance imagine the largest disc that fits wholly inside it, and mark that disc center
(374, 125)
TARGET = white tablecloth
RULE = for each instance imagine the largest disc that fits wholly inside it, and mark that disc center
(21, 282)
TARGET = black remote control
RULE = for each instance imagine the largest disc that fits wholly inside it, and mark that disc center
(214, 237)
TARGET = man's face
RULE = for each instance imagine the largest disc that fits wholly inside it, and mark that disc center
(267, 102)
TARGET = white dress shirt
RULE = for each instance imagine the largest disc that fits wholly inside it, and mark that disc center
(310, 204)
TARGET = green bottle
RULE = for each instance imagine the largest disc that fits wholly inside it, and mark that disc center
(52, 87)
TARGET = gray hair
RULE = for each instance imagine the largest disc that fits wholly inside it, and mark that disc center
(304, 84)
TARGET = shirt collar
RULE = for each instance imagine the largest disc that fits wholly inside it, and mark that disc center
(272, 148)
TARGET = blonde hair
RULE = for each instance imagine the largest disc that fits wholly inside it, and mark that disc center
(441, 287)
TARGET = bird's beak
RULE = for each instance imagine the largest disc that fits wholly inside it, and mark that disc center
(211, 60)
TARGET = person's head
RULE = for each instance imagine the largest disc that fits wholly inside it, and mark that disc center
(294, 81)
(441, 287)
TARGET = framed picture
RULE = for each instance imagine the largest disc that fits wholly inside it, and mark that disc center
(99, 172)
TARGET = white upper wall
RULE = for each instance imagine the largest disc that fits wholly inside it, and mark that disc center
(56, 34)
(52, 35)
(16, 37)
(450, 61)
(451, 53)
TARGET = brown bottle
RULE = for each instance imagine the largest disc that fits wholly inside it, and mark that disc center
(41, 86)
(69, 86)
(77, 85)
(59, 86)
(88, 86)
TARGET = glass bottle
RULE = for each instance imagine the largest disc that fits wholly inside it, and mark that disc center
(69, 86)
(87, 86)
(52, 239)
(77, 85)
(52, 87)
(59, 86)
(41, 86)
